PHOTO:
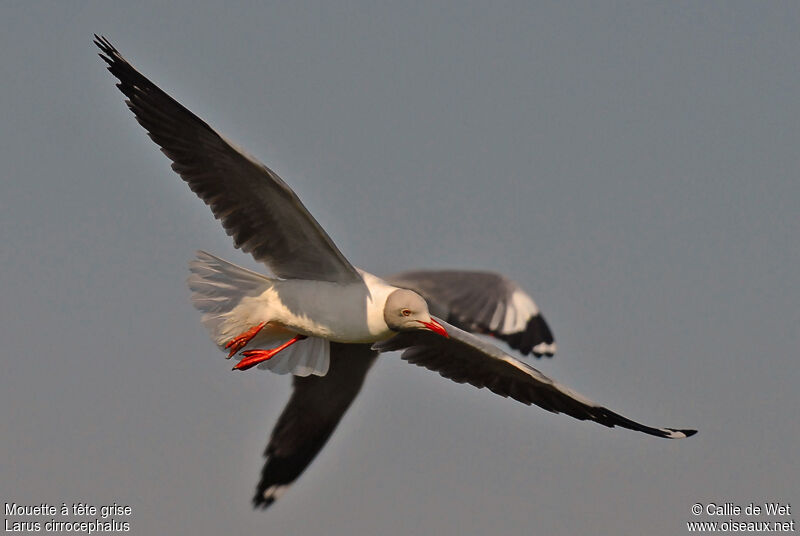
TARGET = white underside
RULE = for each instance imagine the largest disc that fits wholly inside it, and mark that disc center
(303, 358)
(234, 300)
(227, 295)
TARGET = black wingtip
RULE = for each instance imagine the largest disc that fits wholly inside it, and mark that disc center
(260, 503)
(104, 45)
(108, 53)
(536, 338)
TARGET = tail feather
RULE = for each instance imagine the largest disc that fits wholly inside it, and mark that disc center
(218, 285)
(306, 357)
(218, 288)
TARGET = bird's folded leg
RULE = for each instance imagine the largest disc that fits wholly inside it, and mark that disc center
(239, 342)
(254, 357)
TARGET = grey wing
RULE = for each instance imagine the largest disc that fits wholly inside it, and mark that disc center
(465, 358)
(262, 214)
(312, 414)
(483, 302)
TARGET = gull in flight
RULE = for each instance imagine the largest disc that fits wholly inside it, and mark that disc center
(321, 319)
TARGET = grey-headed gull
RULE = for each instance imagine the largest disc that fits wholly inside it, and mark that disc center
(323, 320)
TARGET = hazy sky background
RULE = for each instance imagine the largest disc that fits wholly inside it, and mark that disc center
(633, 165)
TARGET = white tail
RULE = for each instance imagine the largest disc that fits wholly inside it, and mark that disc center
(219, 286)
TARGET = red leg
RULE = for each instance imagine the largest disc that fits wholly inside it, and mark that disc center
(237, 343)
(254, 357)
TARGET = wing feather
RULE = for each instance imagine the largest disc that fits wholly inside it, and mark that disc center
(465, 358)
(256, 207)
(312, 414)
(483, 302)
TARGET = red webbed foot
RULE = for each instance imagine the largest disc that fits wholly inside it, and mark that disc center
(239, 342)
(254, 357)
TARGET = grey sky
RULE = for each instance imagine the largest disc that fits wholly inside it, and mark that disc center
(634, 166)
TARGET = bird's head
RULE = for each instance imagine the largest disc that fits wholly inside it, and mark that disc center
(405, 310)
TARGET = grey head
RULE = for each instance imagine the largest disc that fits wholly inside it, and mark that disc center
(405, 310)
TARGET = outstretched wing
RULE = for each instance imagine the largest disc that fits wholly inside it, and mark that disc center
(312, 414)
(483, 302)
(465, 358)
(262, 214)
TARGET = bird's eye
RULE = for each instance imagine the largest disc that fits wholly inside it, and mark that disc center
(405, 312)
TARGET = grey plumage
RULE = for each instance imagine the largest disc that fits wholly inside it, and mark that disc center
(404, 309)
(482, 302)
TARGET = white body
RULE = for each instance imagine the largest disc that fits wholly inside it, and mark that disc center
(234, 300)
(351, 313)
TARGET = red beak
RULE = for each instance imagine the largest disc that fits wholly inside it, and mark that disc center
(435, 327)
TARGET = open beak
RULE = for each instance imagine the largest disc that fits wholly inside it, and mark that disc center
(435, 327)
